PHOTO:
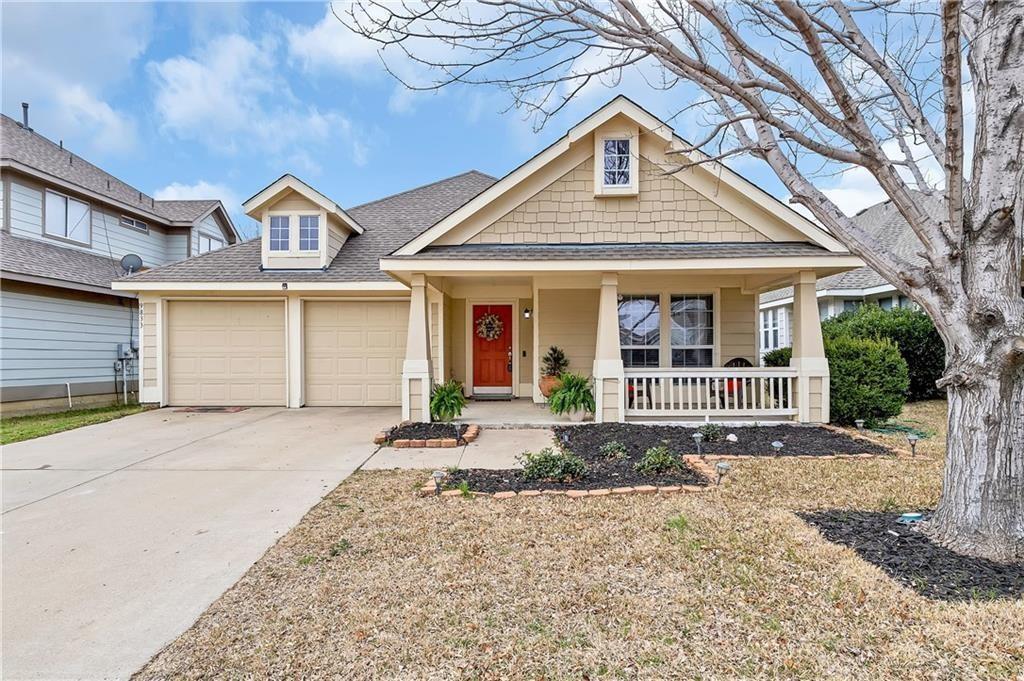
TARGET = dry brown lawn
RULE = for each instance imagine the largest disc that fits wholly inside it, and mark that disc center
(376, 583)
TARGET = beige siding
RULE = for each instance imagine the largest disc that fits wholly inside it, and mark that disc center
(666, 210)
(738, 318)
(446, 350)
(815, 397)
(336, 238)
(525, 343)
(435, 341)
(457, 333)
(610, 400)
(568, 318)
(148, 320)
(416, 400)
(293, 201)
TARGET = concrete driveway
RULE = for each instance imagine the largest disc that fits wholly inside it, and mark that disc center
(117, 536)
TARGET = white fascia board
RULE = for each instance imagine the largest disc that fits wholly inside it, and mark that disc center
(293, 183)
(447, 266)
(214, 286)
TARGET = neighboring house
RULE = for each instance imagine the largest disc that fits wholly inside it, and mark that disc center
(647, 276)
(64, 226)
(845, 291)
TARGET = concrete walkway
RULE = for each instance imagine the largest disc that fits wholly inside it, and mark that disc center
(117, 536)
(494, 448)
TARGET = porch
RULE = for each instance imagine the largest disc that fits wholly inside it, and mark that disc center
(659, 347)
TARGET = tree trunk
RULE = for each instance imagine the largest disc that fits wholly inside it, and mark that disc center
(981, 511)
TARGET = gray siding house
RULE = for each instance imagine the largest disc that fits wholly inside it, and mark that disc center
(65, 224)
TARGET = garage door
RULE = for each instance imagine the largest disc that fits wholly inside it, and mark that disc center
(226, 353)
(354, 352)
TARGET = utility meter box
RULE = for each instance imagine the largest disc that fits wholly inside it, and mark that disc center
(126, 351)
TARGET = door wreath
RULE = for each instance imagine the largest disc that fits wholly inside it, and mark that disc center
(489, 327)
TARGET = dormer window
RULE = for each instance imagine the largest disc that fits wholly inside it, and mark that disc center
(309, 232)
(279, 233)
(616, 163)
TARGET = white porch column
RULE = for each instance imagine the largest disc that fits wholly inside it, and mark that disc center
(416, 370)
(812, 383)
(296, 370)
(609, 375)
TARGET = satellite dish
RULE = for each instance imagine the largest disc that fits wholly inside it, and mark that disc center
(131, 263)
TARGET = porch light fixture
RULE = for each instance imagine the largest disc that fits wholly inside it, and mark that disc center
(722, 468)
(860, 424)
(527, 313)
(438, 476)
(777, 446)
(698, 438)
(912, 439)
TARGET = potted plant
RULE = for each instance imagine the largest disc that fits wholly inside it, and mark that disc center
(447, 401)
(553, 365)
(573, 397)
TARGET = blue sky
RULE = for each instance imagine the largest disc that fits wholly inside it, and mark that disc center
(193, 100)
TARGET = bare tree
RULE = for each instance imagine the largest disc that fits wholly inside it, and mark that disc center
(814, 87)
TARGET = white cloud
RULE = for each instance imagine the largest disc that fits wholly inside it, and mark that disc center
(231, 97)
(329, 46)
(66, 59)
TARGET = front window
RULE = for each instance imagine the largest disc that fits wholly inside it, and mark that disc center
(616, 163)
(279, 232)
(850, 305)
(693, 333)
(885, 303)
(309, 232)
(770, 328)
(67, 218)
(639, 330)
(209, 243)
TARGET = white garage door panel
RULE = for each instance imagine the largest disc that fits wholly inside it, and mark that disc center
(226, 353)
(354, 352)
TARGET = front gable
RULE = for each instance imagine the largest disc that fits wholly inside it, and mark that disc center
(558, 197)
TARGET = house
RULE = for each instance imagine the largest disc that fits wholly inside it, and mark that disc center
(65, 224)
(645, 274)
(845, 291)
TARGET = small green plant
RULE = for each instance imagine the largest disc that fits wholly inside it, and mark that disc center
(678, 523)
(339, 547)
(447, 401)
(554, 363)
(551, 465)
(573, 394)
(657, 460)
(306, 560)
(888, 504)
(712, 432)
(613, 450)
(463, 487)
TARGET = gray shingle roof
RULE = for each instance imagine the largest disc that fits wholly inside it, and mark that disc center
(891, 230)
(618, 251)
(31, 149)
(389, 223)
(36, 258)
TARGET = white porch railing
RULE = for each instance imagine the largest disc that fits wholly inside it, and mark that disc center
(720, 392)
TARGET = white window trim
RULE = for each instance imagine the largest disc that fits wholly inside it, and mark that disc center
(659, 297)
(64, 237)
(665, 348)
(630, 169)
(270, 233)
(299, 233)
(293, 232)
(715, 330)
(631, 189)
(212, 239)
(135, 225)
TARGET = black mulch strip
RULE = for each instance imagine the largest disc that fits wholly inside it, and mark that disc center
(911, 558)
(752, 440)
(427, 431)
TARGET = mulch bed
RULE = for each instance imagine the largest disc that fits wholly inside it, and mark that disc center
(912, 559)
(427, 431)
(752, 440)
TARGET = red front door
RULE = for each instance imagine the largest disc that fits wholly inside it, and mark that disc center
(492, 346)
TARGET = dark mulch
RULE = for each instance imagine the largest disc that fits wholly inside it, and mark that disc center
(427, 431)
(912, 559)
(752, 440)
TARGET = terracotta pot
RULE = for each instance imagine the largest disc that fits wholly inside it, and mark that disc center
(548, 384)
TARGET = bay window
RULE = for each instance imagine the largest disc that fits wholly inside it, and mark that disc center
(640, 330)
(693, 330)
(67, 218)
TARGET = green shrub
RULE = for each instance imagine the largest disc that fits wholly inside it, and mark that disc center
(778, 358)
(573, 393)
(554, 363)
(551, 465)
(447, 401)
(613, 450)
(657, 460)
(911, 330)
(712, 432)
(868, 379)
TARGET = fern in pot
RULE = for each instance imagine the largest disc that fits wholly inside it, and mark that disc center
(447, 401)
(553, 365)
(573, 397)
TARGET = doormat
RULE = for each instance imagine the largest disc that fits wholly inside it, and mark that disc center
(492, 398)
(211, 410)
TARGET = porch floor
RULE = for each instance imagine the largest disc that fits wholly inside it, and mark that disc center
(517, 413)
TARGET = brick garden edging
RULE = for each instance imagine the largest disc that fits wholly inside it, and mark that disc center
(471, 434)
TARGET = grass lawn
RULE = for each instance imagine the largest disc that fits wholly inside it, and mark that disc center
(21, 428)
(375, 582)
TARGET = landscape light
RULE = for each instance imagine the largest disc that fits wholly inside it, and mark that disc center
(860, 424)
(438, 476)
(722, 468)
(698, 437)
(912, 439)
(777, 446)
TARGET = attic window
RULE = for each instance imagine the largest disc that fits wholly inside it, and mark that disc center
(209, 243)
(279, 232)
(616, 163)
(309, 232)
